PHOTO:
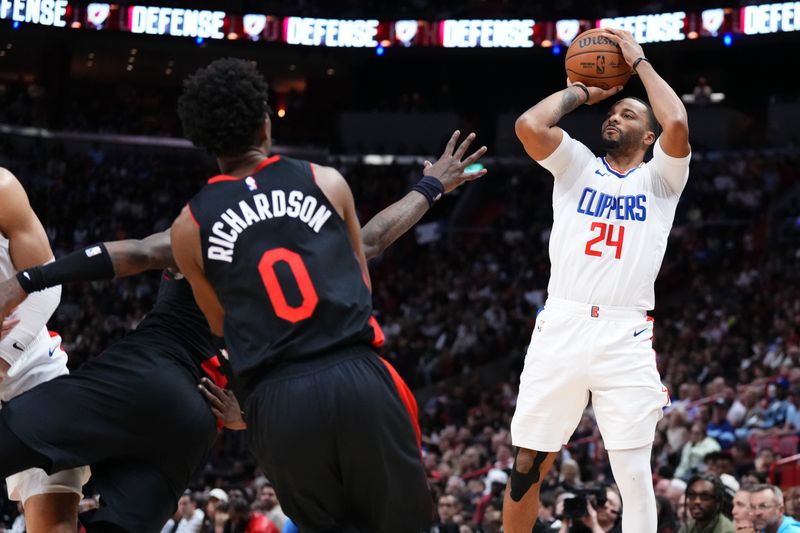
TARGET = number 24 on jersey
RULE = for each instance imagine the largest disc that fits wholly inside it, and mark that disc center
(605, 236)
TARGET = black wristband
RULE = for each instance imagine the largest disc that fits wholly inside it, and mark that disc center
(636, 63)
(31, 279)
(429, 187)
(90, 264)
(583, 88)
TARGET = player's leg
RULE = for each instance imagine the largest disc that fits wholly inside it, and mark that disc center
(325, 454)
(52, 513)
(521, 502)
(15, 455)
(290, 431)
(552, 396)
(628, 398)
(134, 496)
(178, 439)
(50, 501)
(379, 447)
(153, 480)
(634, 478)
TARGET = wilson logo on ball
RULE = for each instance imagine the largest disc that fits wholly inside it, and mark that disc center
(596, 41)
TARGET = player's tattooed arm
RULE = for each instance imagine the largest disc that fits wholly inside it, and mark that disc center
(385, 227)
(537, 127)
(571, 99)
(134, 256)
(388, 225)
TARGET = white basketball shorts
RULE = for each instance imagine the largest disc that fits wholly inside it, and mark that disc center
(576, 349)
(44, 360)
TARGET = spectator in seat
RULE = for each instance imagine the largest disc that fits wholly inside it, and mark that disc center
(220, 519)
(741, 512)
(764, 460)
(547, 505)
(793, 412)
(705, 498)
(446, 508)
(242, 519)
(676, 494)
(695, 450)
(268, 504)
(792, 502)
(667, 520)
(188, 518)
(767, 511)
(719, 463)
(496, 481)
(742, 454)
(216, 497)
(719, 428)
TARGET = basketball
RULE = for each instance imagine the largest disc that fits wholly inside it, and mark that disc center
(596, 61)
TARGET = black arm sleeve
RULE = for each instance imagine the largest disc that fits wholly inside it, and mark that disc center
(93, 263)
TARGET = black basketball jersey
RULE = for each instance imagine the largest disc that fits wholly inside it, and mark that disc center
(176, 326)
(282, 264)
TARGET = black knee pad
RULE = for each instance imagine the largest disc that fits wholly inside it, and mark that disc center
(521, 483)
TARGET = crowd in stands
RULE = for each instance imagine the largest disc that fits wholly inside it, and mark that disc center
(727, 330)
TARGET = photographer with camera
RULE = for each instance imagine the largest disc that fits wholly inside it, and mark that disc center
(597, 510)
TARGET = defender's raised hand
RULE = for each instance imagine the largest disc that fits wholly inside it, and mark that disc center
(449, 168)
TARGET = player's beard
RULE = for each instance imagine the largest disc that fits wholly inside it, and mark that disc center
(610, 144)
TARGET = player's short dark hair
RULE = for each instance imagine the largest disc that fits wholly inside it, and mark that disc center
(652, 122)
(223, 105)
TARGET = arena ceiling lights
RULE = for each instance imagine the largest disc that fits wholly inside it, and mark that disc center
(370, 33)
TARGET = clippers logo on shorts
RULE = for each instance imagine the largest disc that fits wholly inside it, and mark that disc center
(595, 311)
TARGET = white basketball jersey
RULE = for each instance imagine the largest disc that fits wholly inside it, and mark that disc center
(43, 359)
(610, 228)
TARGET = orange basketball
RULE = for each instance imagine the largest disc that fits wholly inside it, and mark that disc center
(596, 61)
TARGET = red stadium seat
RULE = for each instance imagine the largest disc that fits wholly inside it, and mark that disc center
(786, 472)
(765, 441)
(788, 445)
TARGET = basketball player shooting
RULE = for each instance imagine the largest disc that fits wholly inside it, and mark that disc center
(29, 355)
(611, 219)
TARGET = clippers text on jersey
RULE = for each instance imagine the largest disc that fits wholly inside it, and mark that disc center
(602, 205)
